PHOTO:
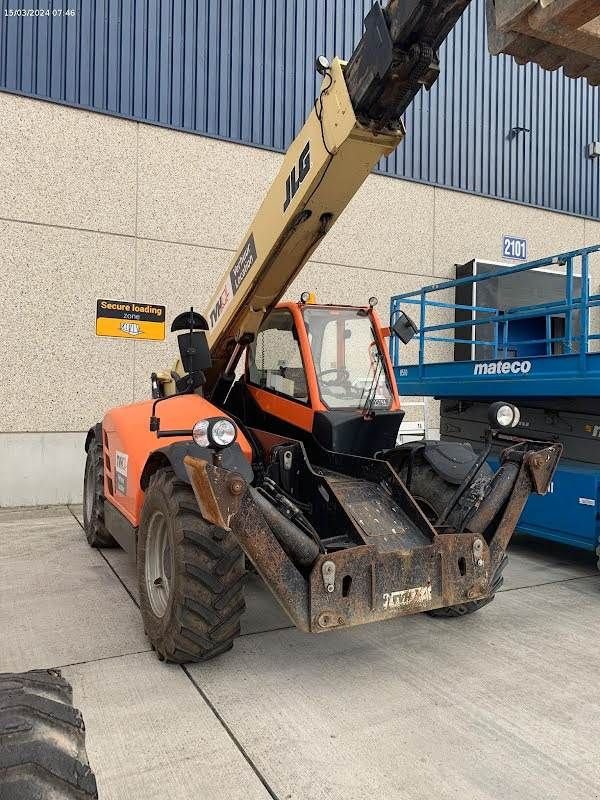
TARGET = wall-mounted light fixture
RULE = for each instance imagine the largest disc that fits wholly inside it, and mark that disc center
(594, 149)
(516, 130)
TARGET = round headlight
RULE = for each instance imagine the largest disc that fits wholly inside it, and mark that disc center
(200, 433)
(504, 415)
(222, 433)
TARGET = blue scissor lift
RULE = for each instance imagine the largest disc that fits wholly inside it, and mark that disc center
(541, 357)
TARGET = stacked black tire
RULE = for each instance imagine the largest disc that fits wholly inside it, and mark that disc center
(42, 740)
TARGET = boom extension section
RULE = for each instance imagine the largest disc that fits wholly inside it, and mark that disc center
(355, 122)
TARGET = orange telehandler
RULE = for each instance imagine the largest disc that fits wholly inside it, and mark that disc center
(290, 463)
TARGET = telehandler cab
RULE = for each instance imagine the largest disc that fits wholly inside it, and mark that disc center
(293, 464)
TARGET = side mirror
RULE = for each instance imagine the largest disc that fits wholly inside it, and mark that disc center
(404, 328)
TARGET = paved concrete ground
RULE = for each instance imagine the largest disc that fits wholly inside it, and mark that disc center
(502, 704)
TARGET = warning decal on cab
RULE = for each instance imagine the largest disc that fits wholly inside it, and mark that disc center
(128, 320)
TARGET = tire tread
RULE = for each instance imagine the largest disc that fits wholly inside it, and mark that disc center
(209, 600)
(96, 532)
(42, 739)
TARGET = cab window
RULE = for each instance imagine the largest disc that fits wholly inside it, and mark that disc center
(274, 360)
(350, 368)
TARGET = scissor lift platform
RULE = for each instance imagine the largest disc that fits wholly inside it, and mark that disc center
(573, 373)
(553, 378)
(537, 376)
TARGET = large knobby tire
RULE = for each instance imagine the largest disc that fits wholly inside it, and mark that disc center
(190, 575)
(433, 493)
(93, 498)
(42, 740)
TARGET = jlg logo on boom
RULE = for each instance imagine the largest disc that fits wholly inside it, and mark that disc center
(292, 184)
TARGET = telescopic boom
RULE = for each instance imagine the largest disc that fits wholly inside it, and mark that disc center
(356, 120)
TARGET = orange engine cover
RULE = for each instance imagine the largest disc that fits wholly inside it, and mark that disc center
(128, 443)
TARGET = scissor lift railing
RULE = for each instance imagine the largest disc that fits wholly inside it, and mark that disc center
(575, 372)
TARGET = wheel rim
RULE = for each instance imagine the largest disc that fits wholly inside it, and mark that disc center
(89, 492)
(158, 564)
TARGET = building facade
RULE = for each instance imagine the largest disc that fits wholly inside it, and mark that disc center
(138, 139)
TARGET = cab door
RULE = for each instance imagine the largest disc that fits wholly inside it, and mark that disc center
(276, 374)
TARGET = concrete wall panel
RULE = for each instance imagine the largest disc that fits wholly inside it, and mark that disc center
(57, 375)
(591, 232)
(41, 468)
(198, 190)
(66, 167)
(334, 283)
(467, 226)
(185, 202)
(178, 276)
(388, 226)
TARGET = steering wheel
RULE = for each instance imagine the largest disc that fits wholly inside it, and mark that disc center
(338, 370)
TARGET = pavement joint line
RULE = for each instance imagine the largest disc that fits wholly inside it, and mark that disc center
(228, 730)
(110, 566)
(550, 583)
(118, 577)
(131, 595)
(268, 630)
(200, 691)
(231, 734)
(286, 627)
(101, 658)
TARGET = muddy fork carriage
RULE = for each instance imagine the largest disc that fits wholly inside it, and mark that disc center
(387, 559)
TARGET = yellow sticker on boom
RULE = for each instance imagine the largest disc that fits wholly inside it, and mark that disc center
(130, 320)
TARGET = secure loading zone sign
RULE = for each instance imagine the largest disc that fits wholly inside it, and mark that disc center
(130, 320)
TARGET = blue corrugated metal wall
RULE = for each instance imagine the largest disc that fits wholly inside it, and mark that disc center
(244, 70)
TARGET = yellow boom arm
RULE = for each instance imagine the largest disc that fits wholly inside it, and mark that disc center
(355, 121)
(322, 170)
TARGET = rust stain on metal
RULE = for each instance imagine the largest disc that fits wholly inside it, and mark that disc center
(416, 568)
(286, 583)
(218, 491)
(535, 473)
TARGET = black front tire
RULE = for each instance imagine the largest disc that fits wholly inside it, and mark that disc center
(93, 498)
(433, 493)
(462, 609)
(198, 616)
(42, 740)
